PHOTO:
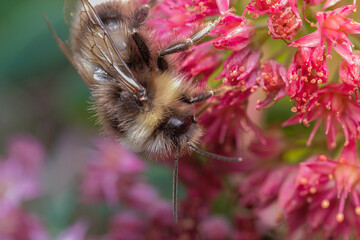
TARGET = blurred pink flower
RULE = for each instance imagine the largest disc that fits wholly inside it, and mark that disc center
(215, 228)
(140, 196)
(200, 185)
(284, 24)
(267, 183)
(27, 151)
(272, 80)
(333, 105)
(161, 213)
(147, 219)
(115, 175)
(15, 185)
(235, 33)
(111, 171)
(245, 227)
(333, 28)
(226, 121)
(16, 224)
(75, 232)
(126, 226)
(19, 170)
(271, 146)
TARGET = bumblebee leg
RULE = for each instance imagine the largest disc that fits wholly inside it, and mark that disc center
(199, 98)
(175, 186)
(182, 46)
(143, 48)
(203, 96)
(141, 15)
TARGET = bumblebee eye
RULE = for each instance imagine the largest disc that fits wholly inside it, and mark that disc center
(179, 126)
(111, 22)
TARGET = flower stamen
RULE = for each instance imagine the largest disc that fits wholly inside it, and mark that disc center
(325, 203)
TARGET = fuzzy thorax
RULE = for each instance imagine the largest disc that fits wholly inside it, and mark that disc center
(145, 128)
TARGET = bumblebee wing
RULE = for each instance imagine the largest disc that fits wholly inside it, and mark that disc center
(66, 49)
(99, 43)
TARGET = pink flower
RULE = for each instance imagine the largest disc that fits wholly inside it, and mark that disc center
(201, 185)
(235, 33)
(267, 183)
(333, 28)
(223, 5)
(245, 227)
(172, 17)
(127, 226)
(140, 196)
(27, 151)
(15, 185)
(161, 213)
(19, 170)
(16, 224)
(199, 9)
(75, 232)
(296, 186)
(272, 80)
(226, 121)
(260, 192)
(214, 228)
(240, 69)
(284, 24)
(169, 19)
(270, 146)
(350, 73)
(333, 105)
(266, 7)
(203, 59)
(307, 70)
(112, 170)
(324, 196)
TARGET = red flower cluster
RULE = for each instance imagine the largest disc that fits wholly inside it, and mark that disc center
(304, 196)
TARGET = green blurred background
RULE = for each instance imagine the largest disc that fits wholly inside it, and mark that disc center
(40, 92)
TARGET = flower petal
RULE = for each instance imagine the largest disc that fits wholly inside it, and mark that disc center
(223, 5)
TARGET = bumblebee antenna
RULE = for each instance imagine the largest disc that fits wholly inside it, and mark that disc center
(213, 155)
(175, 186)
